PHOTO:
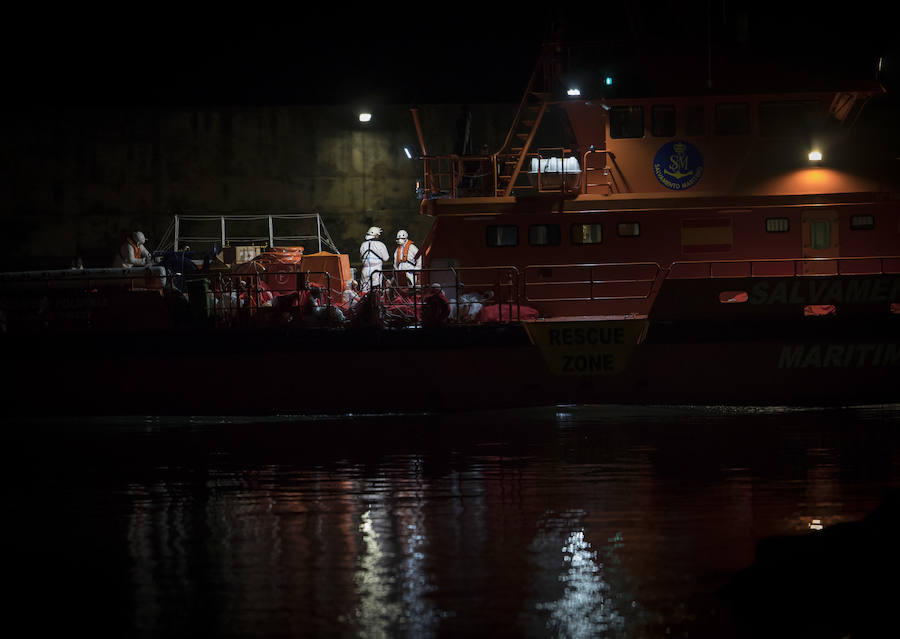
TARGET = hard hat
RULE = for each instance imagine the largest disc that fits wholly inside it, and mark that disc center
(373, 231)
(402, 236)
(138, 237)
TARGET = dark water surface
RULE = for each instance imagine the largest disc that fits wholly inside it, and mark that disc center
(574, 522)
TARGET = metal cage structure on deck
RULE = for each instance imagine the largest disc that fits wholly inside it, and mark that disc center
(267, 235)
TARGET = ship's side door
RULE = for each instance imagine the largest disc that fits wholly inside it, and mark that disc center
(820, 240)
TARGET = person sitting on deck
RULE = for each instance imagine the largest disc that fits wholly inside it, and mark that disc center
(132, 252)
(310, 306)
(350, 296)
(435, 307)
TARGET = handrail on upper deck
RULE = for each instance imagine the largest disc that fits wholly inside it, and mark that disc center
(446, 175)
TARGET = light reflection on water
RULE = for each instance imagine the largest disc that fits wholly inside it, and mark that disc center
(572, 522)
(587, 605)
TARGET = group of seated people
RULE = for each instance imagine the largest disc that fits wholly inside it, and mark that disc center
(409, 305)
(386, 305)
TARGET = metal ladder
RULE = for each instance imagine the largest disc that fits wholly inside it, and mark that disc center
(510, 159)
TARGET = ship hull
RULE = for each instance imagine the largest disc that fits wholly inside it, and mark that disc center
(339, 371)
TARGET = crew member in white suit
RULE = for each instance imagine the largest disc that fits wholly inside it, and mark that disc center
(373, 254)
(133, 252)
(406, 257)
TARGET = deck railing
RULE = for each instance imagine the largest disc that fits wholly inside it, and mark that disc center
(461, 176)
(590, 282)
(468, 289)
(785, 267)
(227, 299)
(131, 300)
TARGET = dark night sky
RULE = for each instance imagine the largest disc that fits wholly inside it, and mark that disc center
(153, 56)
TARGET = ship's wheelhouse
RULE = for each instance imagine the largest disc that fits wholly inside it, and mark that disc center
(593, 216)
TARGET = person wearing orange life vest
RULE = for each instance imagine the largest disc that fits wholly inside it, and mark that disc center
(133, 252)
(373, 254)
(406, 257)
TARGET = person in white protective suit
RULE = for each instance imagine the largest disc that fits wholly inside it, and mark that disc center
(406, 257)
(374, 254)
(132, 252)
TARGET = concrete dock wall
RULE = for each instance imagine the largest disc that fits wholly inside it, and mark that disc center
(75, 180)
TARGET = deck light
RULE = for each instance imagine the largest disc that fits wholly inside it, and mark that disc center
(365, 117)
(815, 156)
(609, 80)
(573, 92)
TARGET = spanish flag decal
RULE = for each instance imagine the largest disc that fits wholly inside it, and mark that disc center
(708, 235)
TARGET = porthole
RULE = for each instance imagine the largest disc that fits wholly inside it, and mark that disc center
(628, 229)
(586, 234)
(543, 234)
(862, 222)
(777, 225)
(502, 235)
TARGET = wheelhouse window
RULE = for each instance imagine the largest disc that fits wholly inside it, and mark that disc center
(777, 225)
(626, 122)
(695, 121)
(732, 119)
(820, 234)
(543, 234)
(628, 229)
(797, 119)
(586, 234)
(862, 222)
(663, 121)
(502, 235)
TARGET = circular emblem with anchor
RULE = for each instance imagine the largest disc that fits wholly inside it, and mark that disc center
(678, 165)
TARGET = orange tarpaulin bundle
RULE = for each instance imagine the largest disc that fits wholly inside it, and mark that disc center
(283, 268)
(337, 265)
(282, 254)
(277, 267)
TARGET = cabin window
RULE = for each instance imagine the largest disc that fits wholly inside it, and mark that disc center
(820, 234)
(663, 121)
(695, 121)
(789, 119)
(587, 234)
(506, 235)
(543, 234)
(626, 122)
(862, 222)
(628, 229)
(777, 225)
(732, 119)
